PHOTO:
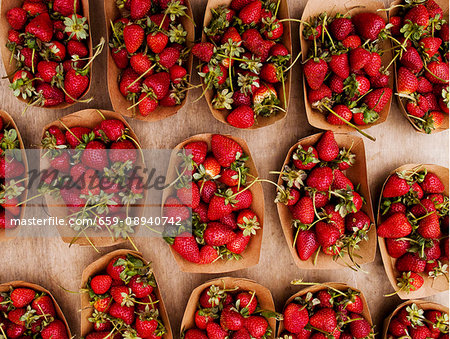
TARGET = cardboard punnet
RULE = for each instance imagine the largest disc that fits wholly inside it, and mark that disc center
(244, 285)
(357, 174)
(286, 40)
(444, 5)
(425, 305)
(23, 284)
(85, 118)
(316, 288)
(8, 121)
(250, 256)
(430, 286)
(98, 267)
(314, 8)
(119, 102)
(10, 68)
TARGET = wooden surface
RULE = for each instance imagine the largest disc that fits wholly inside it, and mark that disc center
(52, 264)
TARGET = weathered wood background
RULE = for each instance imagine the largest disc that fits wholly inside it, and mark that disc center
(51, 263)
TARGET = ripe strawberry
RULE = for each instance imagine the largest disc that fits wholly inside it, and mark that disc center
(159, 83)
(327, 234)
(305, 158)
(341, 181)
(43, 305)
(208, 254)
(198, 149)
(396, 247)
(315, 96)
(410, 262)
(125, 313)
(139, 8)
(215, 331)
(256, 326)
(411, 59)
(327, 147)
(407, 82)
(429, 227)
(315, 71)
(75, 85)
(340, 28)
(339, 64)
(145, 325)
(231, 320)
(243, 199)
(49, 95)
(432, 184)
(17, 17)
(359, 327)
(217, 234)
(342, 111)
(21, 297)
(379, 80)
(395, 226)
(173, 208)
(55, 330)
(241, 117)
(320, 178)
(76, 135)
(177, 74)
(306, 245)
(157, 41)
(395, 187)
(133, 36)
(368, 25)
(351, 42)
(372, 68)
(324, 319)
(61, 162)
(194, 333)
(95, 155)
(251, 13)
(14, 37)
(303, 211)
(147, 104)
(187, 247)
(241, 99)
(378, 99)
(41, 27)
(417, 15)
(168, 57)
(218, 208)
(101, 284)
(237, 5)
(66, 7)
(359, 58)
(204, 51)
(141, 63)
(225, 149)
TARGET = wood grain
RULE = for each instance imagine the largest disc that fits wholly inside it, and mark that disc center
(51, 263)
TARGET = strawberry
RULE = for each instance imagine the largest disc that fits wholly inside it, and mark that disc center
(305, 158)
(237, 5)
(239, 243)
(306, 245)
(43, 305)
(410, 262)
(75, 135)
(251, 13)
(396, 247)
(243, 198)
(395, 186)
(203, 50)
(430, 45)
(66, 7)
(218, 208)
(437, 72)
(341, 110)
(55, 330)
(95, 155)
(157, 41)
(359, 57)
(75, 85)
(139, 8)
(10, 169)
(368, 25)
(303, 211)
(187, 247)
(395, 226)
(159, 83)
(125, 313)
(411, 59)
(173, 208)
(359, 327)
(327, 147)
(327, 234)
(341, 181)
(49, 95)
(145, 325)
(208, 254)
(324, 319)
(372, 68)
(198, 150)
(432, 184)
(133, 36)
(315, 96)
(417, 15)
(215, 331)
(17, 18)
(320, 178)
(41, 27)
(352, 42)
(242, 117)
(397, 328)
(339, 64)
(101, 284)
(247, 300)
(168, 57)
(407, 82)
(225, 149)
(141, 63)
(194, 333)
(315, 71)
(340, 28)
(256, 326)
(147, 104)
(231, 320)
(21, 297)
(61, 162)
(429, 227)
(378, 99)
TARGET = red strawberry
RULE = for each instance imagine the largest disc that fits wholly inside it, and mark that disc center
(340, 28)
(320, 178)
(95, 155)
(303, 211)
(49, 95)
(368, 25)
(125, 313)
(208, 254)
(256, 326)
(396, 247)
(139, 8)
(306, 244)
(251, 13)
(395, 226)
(55, 330)
(237, 5)
(410, 262)
(41, 27)
(43, 305)
(372, 68)
(411, 59)
(395, 187)
(432, 184)
(101, 284)
(66, 7)
(429, 227)
(75, 85)
(203, 50)
(341, 110)
(147, 104)
(198, 149)
(327, 234)
(327, 147)
(215, 331)
(430, 45)
(359, 327)
(417, 15)
(339, 64)
(218, 208)
(225, 149)
(359, 57)
(407, 82)
(194, 333)
(157, 41)
(231, 320)
(315, 96)
(133, 36)
(168, 57)
(324, 319)
(187, 247)
(173, 208)
(378, 99)
(17, 17)
(21, 297)
(315, 71)
(295, 318)
(242, 117)
(159, 83)
(352, 42)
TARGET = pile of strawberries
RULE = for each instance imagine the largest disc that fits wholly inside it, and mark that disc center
(344, 71)
(415, 322)
(230, 313)
(124, 301)
(12, 171)
(422, 44)
(89, 169)
(27, 313)
(49, 43)
(213, 186)
(327, 313)
(148, 43)
(415, 226)
(245, 61)
(324, 204)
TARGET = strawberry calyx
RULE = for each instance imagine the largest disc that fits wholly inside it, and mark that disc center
(76, 26)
